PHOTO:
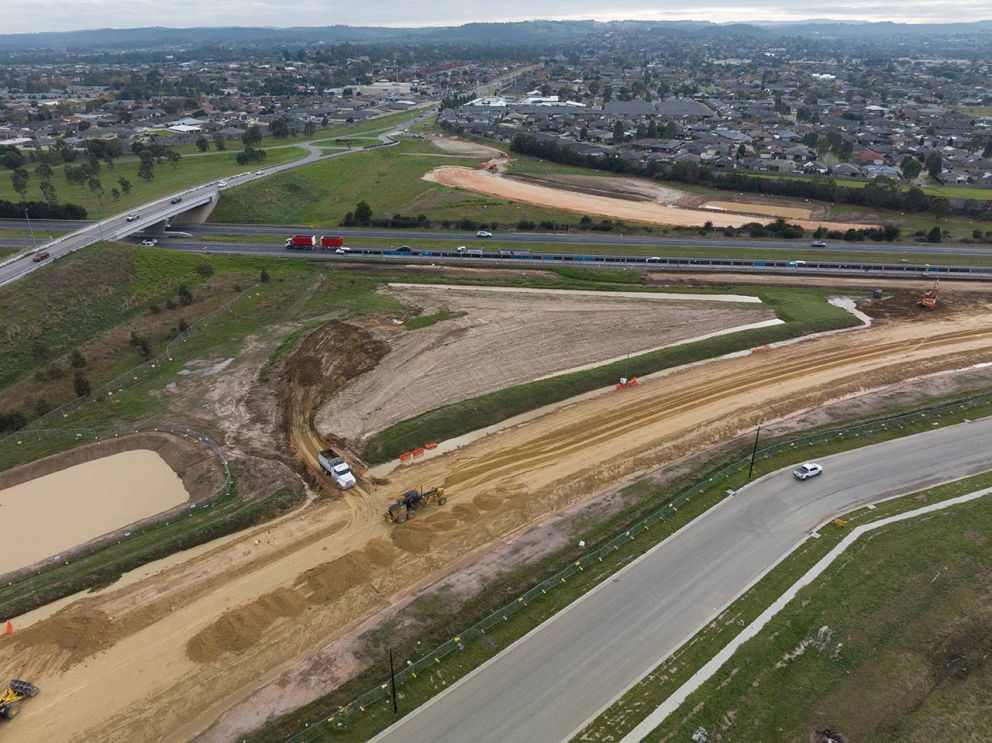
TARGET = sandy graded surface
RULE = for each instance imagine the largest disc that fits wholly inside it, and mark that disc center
(56, 512)
(492, 184)
(507, 337)
(769, 210)
(170, 653)
(620, 187)
(462, 148)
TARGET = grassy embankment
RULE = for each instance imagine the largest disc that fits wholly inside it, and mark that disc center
(803, 312)
(106, 291)
(422, 626)
(190, 171)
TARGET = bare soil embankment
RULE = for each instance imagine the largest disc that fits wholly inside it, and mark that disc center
(506, 338)
(341, 563)
(492, 184)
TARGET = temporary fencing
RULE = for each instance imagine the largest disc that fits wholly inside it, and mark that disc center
(724, 476)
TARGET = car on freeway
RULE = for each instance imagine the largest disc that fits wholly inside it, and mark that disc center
(483, 233)
(807, 470)
(150, 242)
(818, 244)
(132, 217)
(259, 172)
(39, 257)
(342, 250)
(176, 200)
(221, 183)
(654, 259)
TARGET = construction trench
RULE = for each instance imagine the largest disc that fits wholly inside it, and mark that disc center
(203, 632)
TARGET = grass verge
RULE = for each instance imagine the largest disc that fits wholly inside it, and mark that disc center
(803, 312)
(889, 644)
(433, 626)
(423, 321)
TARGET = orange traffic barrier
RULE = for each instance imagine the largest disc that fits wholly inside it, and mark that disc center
(759, 349)
(10, 628)
(418, 452)
(430, 445)
(405, 456)
(632, 382)
(621, 386)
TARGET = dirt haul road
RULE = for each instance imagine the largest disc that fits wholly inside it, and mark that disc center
(492, 184)
(170, 653)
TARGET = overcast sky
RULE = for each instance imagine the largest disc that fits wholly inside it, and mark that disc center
(17, 16)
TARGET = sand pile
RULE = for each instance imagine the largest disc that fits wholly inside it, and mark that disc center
(241, 628)
(415, 537)
(78, 632)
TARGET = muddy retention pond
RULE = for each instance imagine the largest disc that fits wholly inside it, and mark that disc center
(47, 515)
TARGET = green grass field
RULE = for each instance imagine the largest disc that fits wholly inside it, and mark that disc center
(803, 312)
(190, 171)
(389, 179)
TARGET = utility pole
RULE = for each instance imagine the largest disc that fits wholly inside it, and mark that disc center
(754, 451)
(392, 682)
(34, 243)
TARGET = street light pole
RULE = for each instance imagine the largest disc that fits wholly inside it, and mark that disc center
(754, 451)
(34, 243)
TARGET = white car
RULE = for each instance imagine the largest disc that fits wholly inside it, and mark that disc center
(151, 243)
(259, 172)
(654, 259)
(483, 233)
(221, 183)
(132, 217)
(806, 471)
(818, 244)
(342, 250)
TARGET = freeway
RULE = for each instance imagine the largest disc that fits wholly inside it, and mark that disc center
(122, 225)
(462, 237)
(548, 685)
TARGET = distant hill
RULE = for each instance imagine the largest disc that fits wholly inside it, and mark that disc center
(523, 32)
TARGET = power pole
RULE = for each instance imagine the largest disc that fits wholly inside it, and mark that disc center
(392, 682)
(34, 243)
(754, 451)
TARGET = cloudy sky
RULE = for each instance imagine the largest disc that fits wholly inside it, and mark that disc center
(17, 16)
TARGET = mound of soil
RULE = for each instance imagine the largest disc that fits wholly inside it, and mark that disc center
(78, 632)
(413, 537)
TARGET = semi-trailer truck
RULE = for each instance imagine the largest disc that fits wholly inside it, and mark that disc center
(301, 242)
(334, 465)
(329, 242)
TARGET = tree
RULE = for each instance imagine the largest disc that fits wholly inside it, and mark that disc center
(146, 170)
(363, 213)
(220, 144)
(76, 359)
(125, 185)
(48, 192)
(185, 296)
(96, 187)
(19, 179)
(264, 277)
(279, 128)
(115, 194)
(173, 157)
(141, 345)
(910, 167)
(309, 128)
(81, 385)
(618, 131)
(934, 235)
(934, 165)
(583, 133)
(252, 135)
(43, 171)
(12, 420)
(202, 144)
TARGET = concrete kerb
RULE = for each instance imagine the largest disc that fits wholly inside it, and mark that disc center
(705, 673)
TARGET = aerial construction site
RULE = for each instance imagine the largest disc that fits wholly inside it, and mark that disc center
(429, 432)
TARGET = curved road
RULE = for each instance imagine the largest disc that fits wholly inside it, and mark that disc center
(551, 683)
(154, 212)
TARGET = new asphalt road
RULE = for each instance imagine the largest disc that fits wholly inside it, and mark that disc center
(552, 682)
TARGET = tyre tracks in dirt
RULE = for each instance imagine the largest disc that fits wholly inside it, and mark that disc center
(285, 589)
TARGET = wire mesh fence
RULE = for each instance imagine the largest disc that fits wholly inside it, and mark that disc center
(724, 476)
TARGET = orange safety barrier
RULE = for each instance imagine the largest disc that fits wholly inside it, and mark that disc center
(621, 386)
(10, 628)
(759, 349)
(430, 445)
(418, 452)
(405, 456)
(632, 382)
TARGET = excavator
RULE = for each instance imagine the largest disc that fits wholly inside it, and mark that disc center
(929, 300)
(406, 507)
(10, 698)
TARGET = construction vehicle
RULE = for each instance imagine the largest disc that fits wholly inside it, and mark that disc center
(929, 300)
(406, 507)
(10, 698)
(334, 465)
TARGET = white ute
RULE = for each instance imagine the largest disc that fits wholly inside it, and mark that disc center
(335, 466)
